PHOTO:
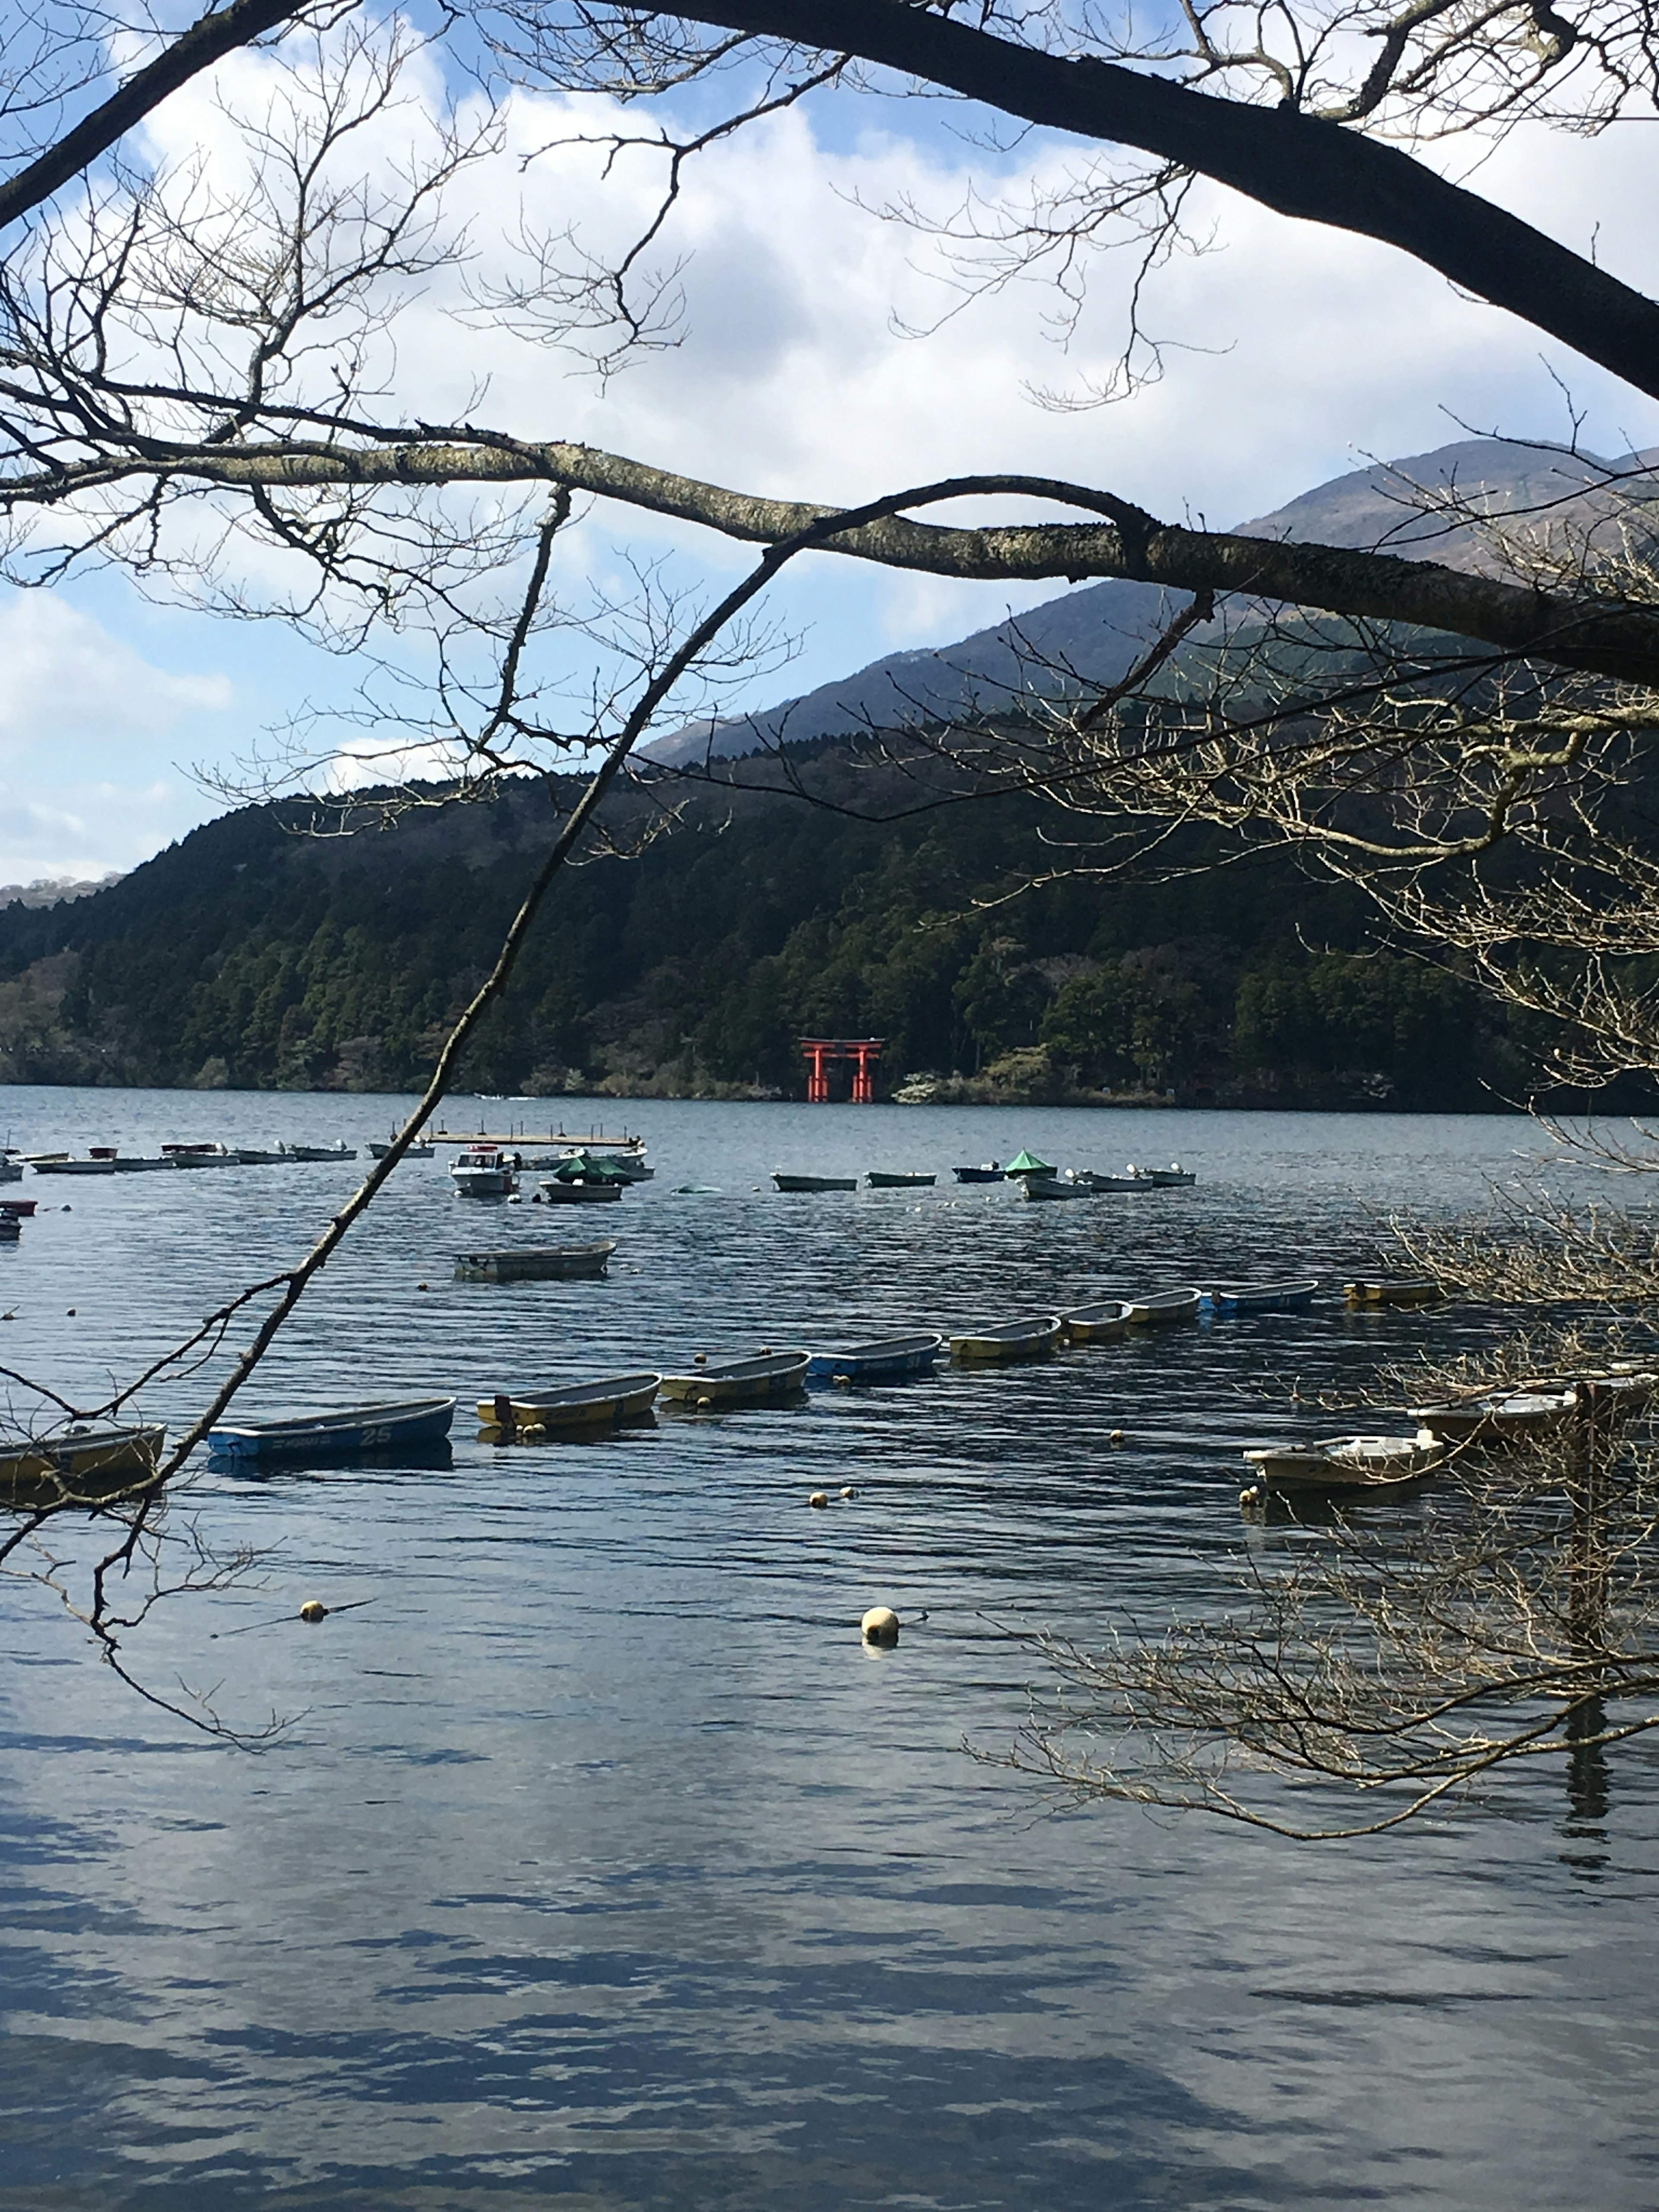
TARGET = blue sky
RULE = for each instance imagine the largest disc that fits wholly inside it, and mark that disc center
(1297, 353)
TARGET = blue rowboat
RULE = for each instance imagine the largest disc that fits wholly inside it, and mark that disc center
(887, 1360)
(1263, 1297)
(355, 1429)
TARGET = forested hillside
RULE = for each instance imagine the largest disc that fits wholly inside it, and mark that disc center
(251, 956)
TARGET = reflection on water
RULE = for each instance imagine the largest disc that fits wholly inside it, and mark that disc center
(605, 1864)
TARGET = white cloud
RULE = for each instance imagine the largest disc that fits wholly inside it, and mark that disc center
(66, 679)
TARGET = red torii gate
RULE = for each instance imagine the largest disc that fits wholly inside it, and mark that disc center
(863, 1052)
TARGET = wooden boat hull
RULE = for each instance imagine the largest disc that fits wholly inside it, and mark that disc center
(362, 1429)
(1161, 1308)
(558, 1263)
(1006, 1340)
(604, 1404)
(878, 1181)
(1413, 1291)
(799, 1182)
(754, 1382)
(1264, 1297)
(1097, 1324)
(91, 1468)
(888, 1361)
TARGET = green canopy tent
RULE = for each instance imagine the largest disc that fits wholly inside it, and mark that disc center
(1024, 1163)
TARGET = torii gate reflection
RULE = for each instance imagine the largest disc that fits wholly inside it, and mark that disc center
(863, 1052)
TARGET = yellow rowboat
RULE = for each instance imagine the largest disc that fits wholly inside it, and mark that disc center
(578, 1406)
(1008, 1339)
(1095, 1324)
(1400, 1291)
(1159, 1307)
(84, 1467)
(752, 1382)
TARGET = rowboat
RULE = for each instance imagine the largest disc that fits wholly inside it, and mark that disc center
(11, 1228)
(354, 1429)
(377, 1151)
(748, 1381)
(1173, 1177)
(1497, 1417)
(1263, 1297)
(61, 1163)
(1092, 1180)
(1095, 1324)
(340, 1151)
(1394, 1290)
(555, 1191)
(1037, 1186)
(887, 1360)
(87, 1465)
(879, 1181)
(483, 1171)
(813, 1182)
(201, 1156)
(1160, 1306)
(1008, 1339)
(530, 1263)
(990, 1172)
(1347, 1463)
(22, 1207)
(576, 1405)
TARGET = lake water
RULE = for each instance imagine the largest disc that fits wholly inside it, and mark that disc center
(602, 1865)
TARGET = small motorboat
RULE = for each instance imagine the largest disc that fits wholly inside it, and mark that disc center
(1497, 1416)
(877, 1180)
(378, 1151)
(11, 1168)
(813, 1182)
(252, 1156)
(988, 1171)
(1025, 1163)
(630, 1162)
(599, 1405)
(888, 1359)
(353, 1429)
(11, 1228)
(1158, 1307)
(1394, 1290)
(1173, 1177)
(531, 1263)
(754, 1380)
(1097, 1324)
(580, 1179)
(98, 1163)
(484, 1171)
(201, 1156)
(1263, 1297)
(309, 1152)
(1008, 1339)
(20, 1208)
(145, 1163)
(82, 1466)
(1039, 1187)
(1345, 1464)
(1095, 1181)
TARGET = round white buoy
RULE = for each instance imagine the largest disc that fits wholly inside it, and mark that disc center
(880, 1625)
(819, 1497)
(699, 1359)
(848, 1491)
(1117, 1436)
(313, 1610)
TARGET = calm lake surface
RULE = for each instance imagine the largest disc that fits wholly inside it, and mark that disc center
(603, 1865)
